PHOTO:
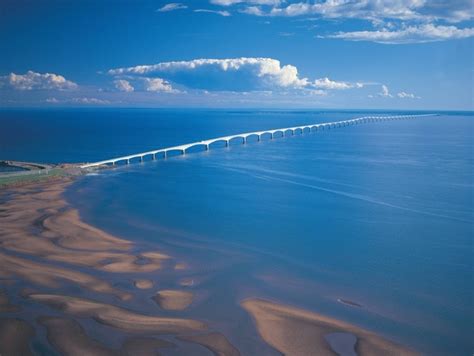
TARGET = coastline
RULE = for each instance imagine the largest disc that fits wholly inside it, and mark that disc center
(46, 246)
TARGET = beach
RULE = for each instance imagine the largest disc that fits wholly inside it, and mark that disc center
(60, 271)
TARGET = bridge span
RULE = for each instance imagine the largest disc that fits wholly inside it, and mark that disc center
(243, 137)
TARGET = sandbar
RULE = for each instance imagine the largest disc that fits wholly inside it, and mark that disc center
(118, 317)
(15, 336)
(216, 342)
(295, 331)
(173, 299)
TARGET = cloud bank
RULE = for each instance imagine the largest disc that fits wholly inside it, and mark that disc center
(232, 74)
(37, 81)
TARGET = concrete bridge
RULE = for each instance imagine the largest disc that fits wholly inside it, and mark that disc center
(243, 137)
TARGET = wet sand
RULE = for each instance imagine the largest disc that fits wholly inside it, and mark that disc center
(15, 336)
(173, 299)
(117, 317)
(216, 342)
(143, 284)
(72, 283)
(294, 331)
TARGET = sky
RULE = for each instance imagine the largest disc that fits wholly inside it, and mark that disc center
(341, 54)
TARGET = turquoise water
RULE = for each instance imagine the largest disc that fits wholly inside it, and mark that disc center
(380, 214)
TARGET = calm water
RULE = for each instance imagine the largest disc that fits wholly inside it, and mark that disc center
(380, 214)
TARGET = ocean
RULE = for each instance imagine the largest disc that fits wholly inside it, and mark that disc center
(379, 214)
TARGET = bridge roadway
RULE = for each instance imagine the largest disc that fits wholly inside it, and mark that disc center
(244, 136)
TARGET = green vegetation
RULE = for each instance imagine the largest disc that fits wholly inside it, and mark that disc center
(30, 176)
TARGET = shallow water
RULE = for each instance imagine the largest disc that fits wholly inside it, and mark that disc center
(379, 214)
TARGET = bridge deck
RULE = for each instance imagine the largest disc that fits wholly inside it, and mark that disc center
(244, 136)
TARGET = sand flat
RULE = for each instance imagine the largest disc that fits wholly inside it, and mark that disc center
(69, 338)
(80, 235)
(15, 337)
(50, 276)
(5, 305)
(144, 346)
(295, 331)
(143, 283)
(173, 299)
(216, 342)
(37, 221)
(118, 317)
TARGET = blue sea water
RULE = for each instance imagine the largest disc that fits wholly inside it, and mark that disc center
(380, 214)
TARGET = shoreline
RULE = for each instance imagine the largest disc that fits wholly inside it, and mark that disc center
(50, 251)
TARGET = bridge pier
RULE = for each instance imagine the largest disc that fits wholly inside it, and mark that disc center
(153, 156)
(128, 161)
(227, 143)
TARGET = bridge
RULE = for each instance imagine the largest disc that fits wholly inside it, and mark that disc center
(243, 137)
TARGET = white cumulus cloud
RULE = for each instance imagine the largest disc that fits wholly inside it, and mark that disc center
(123, 85)
(246, 71)
(410, 34)
(172, 6)
(326, 83)
(232, 74)
(158, 85)
(37, 81)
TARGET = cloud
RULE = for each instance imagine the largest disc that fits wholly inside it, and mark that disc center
(326, 83)
(222, 74)
(172, 6)
(253, 10)
(52, 100)
(404, 95)
(394, 21)
(410, 34)
(385, 92)
(222, 13)
(123, 85)
(37, 81)
(255, 2)
(452, 11)
(233, 74)
(89, 101)
(158, 85)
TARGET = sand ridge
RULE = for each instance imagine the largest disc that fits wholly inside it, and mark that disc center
(173, 299)
(117, 317)
(15, 335)
(38, 221)
(295, 331)
(216, 342)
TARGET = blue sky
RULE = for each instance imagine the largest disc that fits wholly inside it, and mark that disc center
(375, 54)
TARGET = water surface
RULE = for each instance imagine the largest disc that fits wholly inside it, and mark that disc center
(379, 214)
